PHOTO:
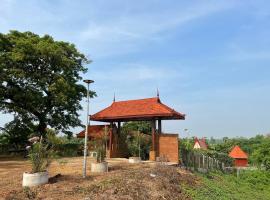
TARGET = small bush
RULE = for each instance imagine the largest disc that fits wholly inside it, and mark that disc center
(40, 156)
(65, 147)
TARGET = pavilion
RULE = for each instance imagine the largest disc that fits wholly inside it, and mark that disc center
(239, 156)
(150, 109)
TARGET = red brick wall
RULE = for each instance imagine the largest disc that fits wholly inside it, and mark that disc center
(240, 162)
(168, 146)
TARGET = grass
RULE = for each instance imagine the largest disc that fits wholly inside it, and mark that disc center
(249, 185)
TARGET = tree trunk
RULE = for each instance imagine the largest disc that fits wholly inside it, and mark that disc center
(41, 129)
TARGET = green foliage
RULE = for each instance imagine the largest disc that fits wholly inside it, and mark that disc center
(141, 126)
(39, 80)
(261, 155)
(100, 148)
(137, 138)
(256, 147)
(40, 156)
(186, 143)
(64, 146)
(248, 145)
(138, 145)
(15, 134)
(250, 185)
(222, 157)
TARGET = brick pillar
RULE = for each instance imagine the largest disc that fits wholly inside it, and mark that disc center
(152, 155)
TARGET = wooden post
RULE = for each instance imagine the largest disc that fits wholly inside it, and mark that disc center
(159, 126)
(203, 162)
(118, 128)
(152, 155)
(111, 140)
(199, 161)
(117, 143)
(153, 135)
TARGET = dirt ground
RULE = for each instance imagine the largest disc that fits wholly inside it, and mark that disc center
(123, 181)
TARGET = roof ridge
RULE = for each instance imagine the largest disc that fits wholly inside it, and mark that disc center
(138, 108)
(150, 98)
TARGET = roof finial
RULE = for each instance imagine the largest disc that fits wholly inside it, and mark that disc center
(157, 93)
(114, 97)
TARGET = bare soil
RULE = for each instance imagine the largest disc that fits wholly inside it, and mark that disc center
(123, 181)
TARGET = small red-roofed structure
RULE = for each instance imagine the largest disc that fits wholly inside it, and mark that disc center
(97, 132)
(200, 143)
(94, 132)
(239, 156)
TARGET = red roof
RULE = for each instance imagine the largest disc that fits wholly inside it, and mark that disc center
(94, 131)
(201, 142)
(141, 109)
(237, 152)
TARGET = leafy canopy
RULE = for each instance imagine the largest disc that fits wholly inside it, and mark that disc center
(141, 126)
(39, 80)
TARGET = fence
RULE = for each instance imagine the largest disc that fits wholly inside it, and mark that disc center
(197, 161)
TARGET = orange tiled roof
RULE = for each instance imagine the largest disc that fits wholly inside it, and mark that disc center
(94, 131)
(141, 109)
(237, 152)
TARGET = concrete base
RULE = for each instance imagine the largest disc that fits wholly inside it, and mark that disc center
(134, 160)
(152, 155)
(35, 179)
(99, 167)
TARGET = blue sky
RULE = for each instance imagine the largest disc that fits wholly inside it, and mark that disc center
(209, 59)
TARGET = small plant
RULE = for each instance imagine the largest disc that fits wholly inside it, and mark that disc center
(100, 146)
(30, 194)
(40, 154)
(101, 151)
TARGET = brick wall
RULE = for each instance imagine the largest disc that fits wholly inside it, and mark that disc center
(240, 162)
(168, 146)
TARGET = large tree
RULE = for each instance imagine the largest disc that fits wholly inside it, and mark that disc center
(39, 80)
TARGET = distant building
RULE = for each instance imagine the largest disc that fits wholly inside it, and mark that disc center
(200, 143)
(239, 156)
(95, 132)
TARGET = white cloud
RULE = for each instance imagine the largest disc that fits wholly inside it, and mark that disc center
(121, 34)
(136, 72)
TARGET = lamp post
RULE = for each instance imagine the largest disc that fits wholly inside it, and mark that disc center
(86, 128)
(187, 132)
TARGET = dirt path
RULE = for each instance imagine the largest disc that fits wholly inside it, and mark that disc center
(123, 181)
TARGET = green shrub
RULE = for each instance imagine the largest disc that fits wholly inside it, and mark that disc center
(138, 144)
(40, 156)
(261, 155)
(248, 186)
(65, 147)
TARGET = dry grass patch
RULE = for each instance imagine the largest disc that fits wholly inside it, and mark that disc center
(124, 181)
